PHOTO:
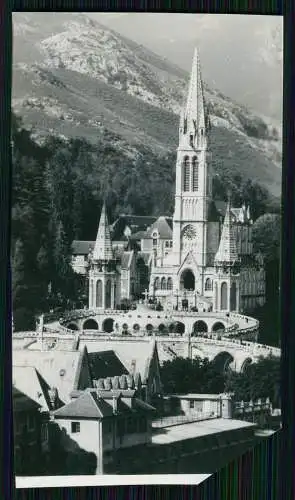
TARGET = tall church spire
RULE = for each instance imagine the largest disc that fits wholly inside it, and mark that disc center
(103, 245)
(193, 118)
(227, 253)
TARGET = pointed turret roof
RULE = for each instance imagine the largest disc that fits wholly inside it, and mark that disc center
(103, 245)
(195, 105)
(227, 252)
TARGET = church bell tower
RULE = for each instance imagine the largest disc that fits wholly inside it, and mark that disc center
(102, 274)
(193, 179)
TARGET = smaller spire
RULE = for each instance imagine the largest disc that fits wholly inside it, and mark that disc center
(103, 245)
(227, 253)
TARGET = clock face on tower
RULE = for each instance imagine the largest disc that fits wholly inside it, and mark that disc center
(189, 233)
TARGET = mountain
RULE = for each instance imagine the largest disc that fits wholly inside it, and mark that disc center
(246, 63)
(73, 77)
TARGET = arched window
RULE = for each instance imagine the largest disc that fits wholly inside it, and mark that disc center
(216, 297)
(157, 284)
(208, 284)
(195, 173)
(108, 294)
(163, 284)
(186, 174)
(223, 301)
(233, 297)
(169, 284)
(91, 304)
(99, 293)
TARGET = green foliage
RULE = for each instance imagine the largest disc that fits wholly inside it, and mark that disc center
(260, 380)
(266, 236)
(58, 190)
(182, 376)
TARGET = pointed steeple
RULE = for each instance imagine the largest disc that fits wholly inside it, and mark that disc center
(227, 253)
(194, 114)
(103, 245)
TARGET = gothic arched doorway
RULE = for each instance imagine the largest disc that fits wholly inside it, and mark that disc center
(187, 280)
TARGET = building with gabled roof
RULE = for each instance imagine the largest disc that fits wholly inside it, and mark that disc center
(127, 357)
(64, 371)
(101, 422)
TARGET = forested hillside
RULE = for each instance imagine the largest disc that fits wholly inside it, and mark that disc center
(58, 190)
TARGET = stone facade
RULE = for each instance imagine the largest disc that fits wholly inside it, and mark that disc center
(201, 259)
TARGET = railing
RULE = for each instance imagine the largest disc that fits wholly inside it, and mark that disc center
(253, 406)
(170, 421)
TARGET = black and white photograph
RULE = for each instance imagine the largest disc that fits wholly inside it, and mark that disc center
(145, 242)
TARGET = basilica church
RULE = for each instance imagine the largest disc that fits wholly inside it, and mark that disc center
(201, 259)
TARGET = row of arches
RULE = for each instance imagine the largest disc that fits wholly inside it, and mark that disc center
(96, 294)
(225, 301)
(163, 284)
(108, 326)
(190, 174)
(224, 362)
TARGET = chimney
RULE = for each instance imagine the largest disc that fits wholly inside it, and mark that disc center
(53, 397)
(133, 366)
(115, 405)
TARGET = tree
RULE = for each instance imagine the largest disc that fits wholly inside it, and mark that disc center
(185, 375)
(266, 236)
(261, 380)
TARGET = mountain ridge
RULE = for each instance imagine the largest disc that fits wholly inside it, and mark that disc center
(88, 82)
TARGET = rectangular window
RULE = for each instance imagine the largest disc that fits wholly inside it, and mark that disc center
(75, 427)
(191, 403)
(155, 242)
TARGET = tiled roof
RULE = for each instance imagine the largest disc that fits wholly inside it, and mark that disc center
(88, 405)
(134, 222)
(146, 256)
(163, 226)
(135, 356)
(82, 247)
(105, 364)
(138, 236)
(227, 251)
(21, 402)
(60, 369)
(27, 380)
(97, 404)
(126, 259)
(103, 245)
(221, 208)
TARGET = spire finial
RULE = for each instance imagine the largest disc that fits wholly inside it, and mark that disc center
(103, 245)
(194, 112)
